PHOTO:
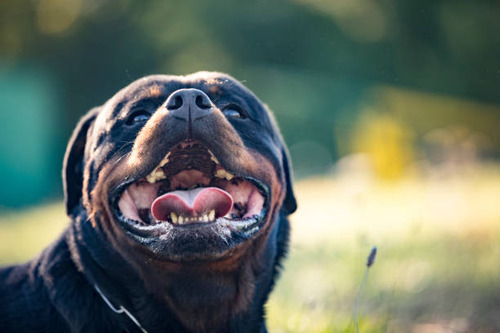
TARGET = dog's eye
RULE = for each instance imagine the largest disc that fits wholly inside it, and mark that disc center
(233, 111)
(138, 116)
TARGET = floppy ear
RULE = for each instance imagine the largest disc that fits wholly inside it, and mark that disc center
(73, 162)
(290, 204)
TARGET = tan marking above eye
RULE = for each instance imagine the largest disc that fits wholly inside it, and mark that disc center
(214, 89)
(155, 91)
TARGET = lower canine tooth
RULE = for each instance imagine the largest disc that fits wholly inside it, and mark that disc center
(211, 215)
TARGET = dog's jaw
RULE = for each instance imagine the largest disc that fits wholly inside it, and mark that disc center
(156, 164)
(192, 188)
(220, 261)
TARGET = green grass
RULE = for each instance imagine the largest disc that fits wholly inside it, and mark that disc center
(437, 269)
(446, 282)
(23, 234)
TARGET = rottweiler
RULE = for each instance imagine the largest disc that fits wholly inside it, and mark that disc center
(178, 189)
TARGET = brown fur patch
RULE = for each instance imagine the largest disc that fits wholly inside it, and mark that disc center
(237, 271)
(155, 91)
(214, 90)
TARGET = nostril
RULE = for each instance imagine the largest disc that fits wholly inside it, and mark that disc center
(175, 103)
(203, 102)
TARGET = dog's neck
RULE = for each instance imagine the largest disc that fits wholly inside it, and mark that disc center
(201, 301)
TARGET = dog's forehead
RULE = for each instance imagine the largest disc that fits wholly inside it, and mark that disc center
(160, 86)
(155, 89)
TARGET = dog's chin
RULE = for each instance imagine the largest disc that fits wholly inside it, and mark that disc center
(190, 207)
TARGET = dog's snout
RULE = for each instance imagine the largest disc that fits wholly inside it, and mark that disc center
(189, 104)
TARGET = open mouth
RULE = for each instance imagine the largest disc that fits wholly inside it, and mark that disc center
(191, 188)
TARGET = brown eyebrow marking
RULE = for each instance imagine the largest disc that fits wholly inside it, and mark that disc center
(214, 89)
(155, 91)
(214, 81)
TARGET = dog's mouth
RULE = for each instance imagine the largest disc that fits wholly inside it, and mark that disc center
(189, 188)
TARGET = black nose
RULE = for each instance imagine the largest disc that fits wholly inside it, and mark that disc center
(189, 104)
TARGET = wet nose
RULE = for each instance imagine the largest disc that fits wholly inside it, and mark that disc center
(189, 104)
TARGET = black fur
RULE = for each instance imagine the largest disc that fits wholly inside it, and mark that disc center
(182, 284)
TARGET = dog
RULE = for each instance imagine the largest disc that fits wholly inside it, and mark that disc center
(179, 191)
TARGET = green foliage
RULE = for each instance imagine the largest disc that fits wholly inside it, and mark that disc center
(440, 46)
(313, 61)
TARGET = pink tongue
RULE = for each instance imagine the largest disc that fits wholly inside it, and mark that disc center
(192, 203)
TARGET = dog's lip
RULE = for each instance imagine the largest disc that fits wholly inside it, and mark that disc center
(263, 189)
(157, 239)
(241, 225)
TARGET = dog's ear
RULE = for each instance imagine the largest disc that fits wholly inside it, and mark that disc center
(290, 204)
(73, 162)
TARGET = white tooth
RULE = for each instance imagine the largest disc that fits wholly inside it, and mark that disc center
(181, 220)
(156, 175)
(151, 178)
(173, 216)
(221, 173)
(165, 160)
(160, 174)
(213, 158)
(205, 218)
(211, 215)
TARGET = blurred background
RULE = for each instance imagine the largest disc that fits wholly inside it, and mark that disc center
(390, 109)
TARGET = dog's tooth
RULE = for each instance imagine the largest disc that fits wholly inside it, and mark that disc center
(221, 173)
(165, 160)
(180, 220)
(205, 218)
(211, 215)
(158, 173)
(213, 158)
(155, 176)
(173, 216)
(151, 178)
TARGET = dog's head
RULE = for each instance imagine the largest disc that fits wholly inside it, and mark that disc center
(180, 169)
